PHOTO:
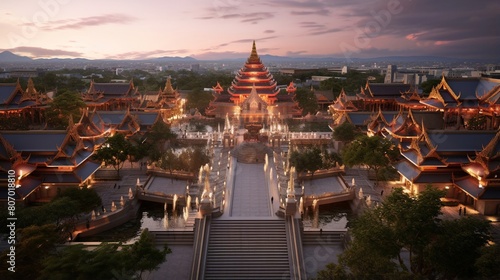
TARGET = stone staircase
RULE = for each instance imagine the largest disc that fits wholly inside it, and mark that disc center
(325, 238)
(247, 249)
(174, 238)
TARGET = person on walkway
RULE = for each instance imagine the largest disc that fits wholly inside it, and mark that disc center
(114, 186)
(381, 192)
(272, 199)
(460, 211)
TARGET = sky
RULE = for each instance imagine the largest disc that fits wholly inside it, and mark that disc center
(214, 29)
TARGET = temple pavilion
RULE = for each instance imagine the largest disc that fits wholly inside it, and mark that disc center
(253, 80)
(27, 103)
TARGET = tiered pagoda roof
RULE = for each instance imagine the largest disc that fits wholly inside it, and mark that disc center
(100, 93)
(380, 91)
(463, 93)
(13, 97)
(343, 103)
(253, 73)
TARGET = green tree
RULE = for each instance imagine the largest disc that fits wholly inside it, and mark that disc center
(143, 256)
(346, 132)
(307, 160)
(375, 152)
(428, 85)
(63, 106)
(307, 101)
(34, 244)
(114, 151)
(159, 139)
(458, 247)
(170, 161)
(107, 261)
(436, 249)
(198, 99)
(488, 264)
(77, 262)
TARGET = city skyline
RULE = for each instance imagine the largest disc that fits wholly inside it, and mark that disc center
(219, 29)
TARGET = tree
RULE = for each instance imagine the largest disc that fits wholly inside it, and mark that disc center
(76, 262)
(429, 84)
(488, 264)
(307, 101)
(169, 160)
(375, 152)
(159, 139)
(307, 160)
(114, 152)
(33, 244)
(107, 261)
(346, 132)
(64, 105)
(143, 256)
(436, 249)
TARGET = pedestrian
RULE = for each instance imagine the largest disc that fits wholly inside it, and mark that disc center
(381, 192)
(114, 186)
(465, 211)
(87, 224)
(102, 208)
(321, 231)
(460, 211)
(272, 199)
(118, 186)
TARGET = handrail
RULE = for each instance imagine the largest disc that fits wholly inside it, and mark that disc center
(200, 249)
(297, 268)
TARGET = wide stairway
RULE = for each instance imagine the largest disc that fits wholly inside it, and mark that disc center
(247, 249)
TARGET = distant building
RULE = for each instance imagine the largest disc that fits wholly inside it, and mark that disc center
(390, 75)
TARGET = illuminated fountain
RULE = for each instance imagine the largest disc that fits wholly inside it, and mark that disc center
(174, 202)
(113, 206)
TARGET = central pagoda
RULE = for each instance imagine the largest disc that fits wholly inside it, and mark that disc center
(253, 74)
(253, 79)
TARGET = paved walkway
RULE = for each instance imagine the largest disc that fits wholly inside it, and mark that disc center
(250, 192)
(112, 191)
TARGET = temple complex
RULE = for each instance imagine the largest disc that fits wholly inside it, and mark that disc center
(27, 103)
(57, 159)
(253, 80)
(166, 101)
(110, 96)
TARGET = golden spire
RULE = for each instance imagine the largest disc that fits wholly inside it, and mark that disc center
(254, 57)
(168, 87)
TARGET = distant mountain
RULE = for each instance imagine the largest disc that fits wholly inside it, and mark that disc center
(173, 59)
(7, 56)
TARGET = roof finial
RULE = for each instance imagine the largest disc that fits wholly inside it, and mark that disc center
(254, 57)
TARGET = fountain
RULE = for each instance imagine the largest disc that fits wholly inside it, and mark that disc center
(315, 207)
(188, 202)
(301, 205)
(93, 215)
(130, 193)
(174, 202)
(197, 202)
(113, 206)
(353, 182)
(122, 201)
(360, 193)
(165, 216)
(200, 174)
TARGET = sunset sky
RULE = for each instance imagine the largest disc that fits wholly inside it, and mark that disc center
(213, 29)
